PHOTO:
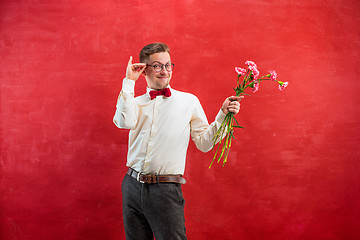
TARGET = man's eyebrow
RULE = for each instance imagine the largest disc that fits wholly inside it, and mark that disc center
(161, 63)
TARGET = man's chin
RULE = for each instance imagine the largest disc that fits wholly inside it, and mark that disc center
(162, 86)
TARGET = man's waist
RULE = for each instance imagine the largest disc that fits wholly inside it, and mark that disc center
(155, 178)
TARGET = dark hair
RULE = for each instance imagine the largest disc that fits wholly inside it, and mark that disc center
(151, 49)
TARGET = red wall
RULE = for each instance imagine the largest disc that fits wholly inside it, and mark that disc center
(293, 173)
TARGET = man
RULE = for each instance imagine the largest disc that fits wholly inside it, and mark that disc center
(160, 122)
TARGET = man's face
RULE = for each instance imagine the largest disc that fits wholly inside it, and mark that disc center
(158, 80)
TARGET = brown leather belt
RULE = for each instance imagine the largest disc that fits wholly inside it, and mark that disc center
(152, 178)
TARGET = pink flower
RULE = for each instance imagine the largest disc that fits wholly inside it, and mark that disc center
(273, 75)
(256, 87)
(283, 85)
(255, 73)
(240, 71)
(251, 63)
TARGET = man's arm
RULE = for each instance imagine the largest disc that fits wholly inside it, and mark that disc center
(126, 108)
(201, 132)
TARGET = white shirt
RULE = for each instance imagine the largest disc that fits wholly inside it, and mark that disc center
(160, 129)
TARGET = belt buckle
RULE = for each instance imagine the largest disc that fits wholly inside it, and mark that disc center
(138, 178)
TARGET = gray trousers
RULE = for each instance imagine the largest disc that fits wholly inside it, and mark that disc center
(153, 210)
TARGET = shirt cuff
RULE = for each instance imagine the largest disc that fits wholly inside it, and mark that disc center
(220, 117)
(128, 86)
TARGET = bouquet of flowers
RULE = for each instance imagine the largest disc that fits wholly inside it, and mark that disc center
(250, 79)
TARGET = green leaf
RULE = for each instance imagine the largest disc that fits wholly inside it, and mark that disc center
(236, 120)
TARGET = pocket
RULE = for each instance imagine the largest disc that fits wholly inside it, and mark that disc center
(180, 193)
(122, 187)
(125, 184)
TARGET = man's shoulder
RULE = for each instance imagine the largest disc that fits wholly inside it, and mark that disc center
(142, 99)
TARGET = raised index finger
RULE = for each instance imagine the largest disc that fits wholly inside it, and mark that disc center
(130, 60)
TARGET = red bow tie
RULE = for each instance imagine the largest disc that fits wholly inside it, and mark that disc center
(166, 92)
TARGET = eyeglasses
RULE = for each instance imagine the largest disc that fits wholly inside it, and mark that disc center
(158, 67)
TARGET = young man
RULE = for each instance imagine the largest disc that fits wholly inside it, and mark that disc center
(161, 123)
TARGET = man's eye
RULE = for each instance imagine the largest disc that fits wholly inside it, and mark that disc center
(157, 66)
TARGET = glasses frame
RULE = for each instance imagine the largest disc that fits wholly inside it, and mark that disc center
(163, 66)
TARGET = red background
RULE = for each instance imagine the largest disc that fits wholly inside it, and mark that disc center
(292, 173)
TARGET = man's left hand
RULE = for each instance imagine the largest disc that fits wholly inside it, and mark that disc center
(232, 104)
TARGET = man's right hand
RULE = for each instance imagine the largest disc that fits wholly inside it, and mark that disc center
(133, 71)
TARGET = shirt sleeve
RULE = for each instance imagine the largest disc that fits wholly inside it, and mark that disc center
(126, 108)
(201, 132)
